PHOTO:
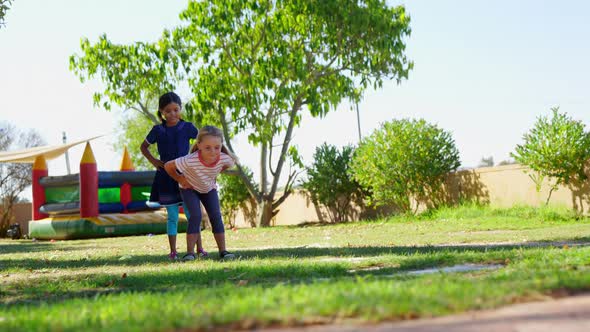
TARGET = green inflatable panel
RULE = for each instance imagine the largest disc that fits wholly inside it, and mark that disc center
(107, 225)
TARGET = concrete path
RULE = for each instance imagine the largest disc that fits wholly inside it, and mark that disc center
(569, 314)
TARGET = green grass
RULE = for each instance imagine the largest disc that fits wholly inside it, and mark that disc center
(289, 276)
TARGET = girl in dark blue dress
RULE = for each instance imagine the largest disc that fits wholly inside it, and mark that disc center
(172, 138)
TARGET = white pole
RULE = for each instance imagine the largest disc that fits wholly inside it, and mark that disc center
(358, 120)
(67, 155)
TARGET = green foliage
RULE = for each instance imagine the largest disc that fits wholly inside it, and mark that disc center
(260, 65)
(522, 213)
(234, 196)
(288, 53)
(329, 183)
(557, 148)
(405, 160)
(134, 76)
(133, 128)
(4, 6)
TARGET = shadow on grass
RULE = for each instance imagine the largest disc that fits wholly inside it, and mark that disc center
(249, 254)
(25, 246)
(44, 289)
(334, 264)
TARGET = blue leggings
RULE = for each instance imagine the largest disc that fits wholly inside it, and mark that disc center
(172, 225)
(192, 202)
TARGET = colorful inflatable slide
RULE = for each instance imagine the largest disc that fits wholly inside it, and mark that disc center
(90, 204)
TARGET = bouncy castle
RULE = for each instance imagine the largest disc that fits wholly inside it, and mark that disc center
(90, 204)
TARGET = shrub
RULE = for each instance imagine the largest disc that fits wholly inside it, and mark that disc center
(556, 148)
(330, 185)
(404, 160)
(234, 196)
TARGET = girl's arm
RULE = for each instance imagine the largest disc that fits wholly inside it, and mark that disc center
(229, 168)
(170, 168)
(145, 151)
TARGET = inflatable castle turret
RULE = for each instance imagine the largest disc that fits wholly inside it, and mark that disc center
(91, 203)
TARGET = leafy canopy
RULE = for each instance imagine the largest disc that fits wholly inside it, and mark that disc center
(4, 6)
(134, 76)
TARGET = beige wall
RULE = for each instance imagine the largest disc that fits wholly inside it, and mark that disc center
(505, 186)
(499, 186)
(22, 214)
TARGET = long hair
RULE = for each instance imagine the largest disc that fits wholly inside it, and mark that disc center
(165, 99)
(215, 132)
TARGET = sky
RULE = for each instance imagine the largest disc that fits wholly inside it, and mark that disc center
(483, 70)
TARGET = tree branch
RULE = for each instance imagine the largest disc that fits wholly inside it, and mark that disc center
(286, 141)
(143, 109)
(288, 190)
(251, 189)
(273, 172)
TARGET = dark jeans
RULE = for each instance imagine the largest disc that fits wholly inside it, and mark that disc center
(191, 201)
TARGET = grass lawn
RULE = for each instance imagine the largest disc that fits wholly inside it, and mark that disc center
(297, 275)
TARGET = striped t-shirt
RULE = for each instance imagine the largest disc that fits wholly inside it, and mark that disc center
(200, 175)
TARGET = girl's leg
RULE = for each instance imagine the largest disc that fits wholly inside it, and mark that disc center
(172, 226)
(198, 239)
(220, 240)
(211, 202)
(192, 204)
(187, 214)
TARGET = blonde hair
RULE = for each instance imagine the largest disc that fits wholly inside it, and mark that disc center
(215, 132)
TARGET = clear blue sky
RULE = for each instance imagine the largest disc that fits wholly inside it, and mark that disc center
(484, 70)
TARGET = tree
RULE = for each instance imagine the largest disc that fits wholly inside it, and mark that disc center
(260, 65)
(404, 160)
(557, 148)
(506, 162)
(14, 177)
(486, 162)
(4, 6)
(330, 184)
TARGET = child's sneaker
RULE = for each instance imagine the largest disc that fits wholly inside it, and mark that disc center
(202, 253)
(226, 255)
(173, 256)
(188, 257)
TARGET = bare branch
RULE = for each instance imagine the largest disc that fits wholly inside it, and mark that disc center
(288, 189)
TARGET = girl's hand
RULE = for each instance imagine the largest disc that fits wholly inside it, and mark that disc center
(158, 163)
(184, 183)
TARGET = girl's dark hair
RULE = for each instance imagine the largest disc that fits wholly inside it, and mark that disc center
(165, 99)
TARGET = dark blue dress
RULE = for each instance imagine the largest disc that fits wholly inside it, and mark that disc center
(173, 142)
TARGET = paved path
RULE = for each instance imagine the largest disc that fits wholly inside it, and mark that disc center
(569, 314)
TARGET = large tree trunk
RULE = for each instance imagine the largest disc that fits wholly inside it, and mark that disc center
(265, 213)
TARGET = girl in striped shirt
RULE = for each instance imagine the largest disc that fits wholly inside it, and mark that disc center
(196, 174)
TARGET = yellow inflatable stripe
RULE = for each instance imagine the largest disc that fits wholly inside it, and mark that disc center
(120, 219)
